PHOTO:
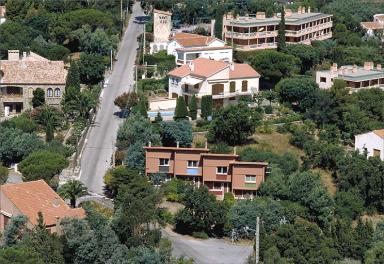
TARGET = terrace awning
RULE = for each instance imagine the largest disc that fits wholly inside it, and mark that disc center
(192, 81)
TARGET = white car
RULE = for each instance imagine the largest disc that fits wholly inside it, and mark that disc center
(106, 83)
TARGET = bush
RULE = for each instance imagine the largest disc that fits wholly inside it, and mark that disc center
(221, 148)
(201, 235)
(268, 109)
(174, 190)
(3, 174)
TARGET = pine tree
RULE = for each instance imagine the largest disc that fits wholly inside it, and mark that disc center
(158, 118)
(181, 111)
(206, 106)
(143, 108)
(73, 77)
(281, 33)
(193, 108)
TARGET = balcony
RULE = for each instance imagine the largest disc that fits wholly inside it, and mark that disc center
(251, 35)
(296, 33)
(163, 169)
(193, 171)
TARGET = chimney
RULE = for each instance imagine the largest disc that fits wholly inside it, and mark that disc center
(303, 9)
(309, 9)
(213, 22)
(354, 68)
(191, 66)
(232, 66)
(13, 55)
(299, 10)
(367, 65)
(334, 67)
(378, 67)
(234, 151)
(260, 15)
(24, 55)
(149, 144)
(177, 144)
(288, 12)
(206, 144)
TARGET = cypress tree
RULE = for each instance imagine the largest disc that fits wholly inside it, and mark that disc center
(206, 106)
(281, 33)
(193, 108)
(181, 111)
(143, 108)
(73, 77)
(158, 118)
(49, 132)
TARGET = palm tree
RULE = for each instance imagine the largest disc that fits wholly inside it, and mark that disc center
(72, 190)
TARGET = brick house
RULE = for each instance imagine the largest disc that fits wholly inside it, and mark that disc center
(221, 173)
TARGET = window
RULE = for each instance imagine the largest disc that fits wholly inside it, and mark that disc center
(232, 87)
(57, 92)
(323, 79)
(376, 152)
(222, 170)
(250, 178)
(216, 186)
(164, 162)
(49, 92)
(244, 86)
(192, 163)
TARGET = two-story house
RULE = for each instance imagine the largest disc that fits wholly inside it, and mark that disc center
(187, 47)
(221, 173)
(372, 143)
(21, 74)
(225, 81)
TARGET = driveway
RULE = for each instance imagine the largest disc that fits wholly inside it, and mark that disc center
(209, 251)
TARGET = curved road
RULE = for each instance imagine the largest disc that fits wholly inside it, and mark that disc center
(96, 156)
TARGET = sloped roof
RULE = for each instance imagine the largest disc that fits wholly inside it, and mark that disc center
(36, 196)
(379, 132)
(205, 68)
(201, 67)
(193, 40)
(371, 25)
(162, 12)
(33, 69)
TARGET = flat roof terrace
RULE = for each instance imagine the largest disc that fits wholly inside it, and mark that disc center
(294, 19)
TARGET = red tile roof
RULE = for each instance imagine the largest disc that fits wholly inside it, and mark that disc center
(379, 132)
(193, 40)
(371, 25)
(205, 68)
(36, 196)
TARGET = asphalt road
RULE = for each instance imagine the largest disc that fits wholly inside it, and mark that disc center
(96, 156)
(209, 251)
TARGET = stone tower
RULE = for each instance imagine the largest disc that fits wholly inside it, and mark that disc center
(162, 26)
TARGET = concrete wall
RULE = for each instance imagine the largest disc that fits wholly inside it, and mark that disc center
(369, 141)
(239, 171)
(181, 162)
(152, 160)
(328, 75)
(210, 164)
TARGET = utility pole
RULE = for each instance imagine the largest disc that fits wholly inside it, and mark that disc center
(257, 240)
(121, 10)
(111, 60)
(143, 42)
(136, 79)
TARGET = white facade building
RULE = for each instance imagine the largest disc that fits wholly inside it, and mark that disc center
(356, 77)
(187, 47)
(373, 27)
(225, 81)
(372, 142)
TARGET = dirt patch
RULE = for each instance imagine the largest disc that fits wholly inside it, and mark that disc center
(327, 179)
(172, 207)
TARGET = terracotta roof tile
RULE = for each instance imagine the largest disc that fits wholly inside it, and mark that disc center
(36, 196)
(162, 12)
(33, 69)
(379, 132)
(371, 25)
(193, 40)
(205, 68)
(243, 71)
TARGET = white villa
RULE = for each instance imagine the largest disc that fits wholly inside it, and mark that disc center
(372, 142)
(187, 47)
(225, 81)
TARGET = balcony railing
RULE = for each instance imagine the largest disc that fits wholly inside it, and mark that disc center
(163, 169)
(251, 35)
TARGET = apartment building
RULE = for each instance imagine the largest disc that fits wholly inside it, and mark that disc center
(356, 77)
(187, 47)
(30, 198)
(221, 173)
(226, 82)
(260, 32)
(22, 73)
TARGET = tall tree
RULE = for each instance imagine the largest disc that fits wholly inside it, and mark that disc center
(38, 98)
(281, 45)
(206, 106)
(193, 108)
(73, 77)
(181, 111)
(73, 190)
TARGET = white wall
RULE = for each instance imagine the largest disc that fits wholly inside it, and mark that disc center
(328, 76)
(369, 141)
